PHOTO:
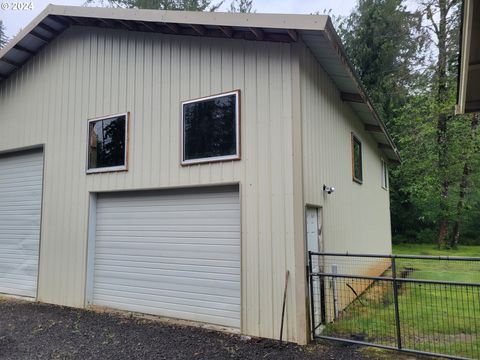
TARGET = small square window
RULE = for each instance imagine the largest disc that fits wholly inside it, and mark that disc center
(357, 172)
(384, 175)
(210, 129)
(107, 144)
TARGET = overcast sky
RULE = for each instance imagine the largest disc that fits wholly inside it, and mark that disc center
(16, 20)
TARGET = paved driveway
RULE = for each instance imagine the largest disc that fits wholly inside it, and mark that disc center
(39, 331)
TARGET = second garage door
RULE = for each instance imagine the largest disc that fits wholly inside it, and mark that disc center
(20, 216)
(174, 254)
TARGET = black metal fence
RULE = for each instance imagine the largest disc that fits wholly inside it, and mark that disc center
(417, 304)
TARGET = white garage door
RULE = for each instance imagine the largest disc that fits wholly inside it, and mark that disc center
(20, 212)
(174, 254)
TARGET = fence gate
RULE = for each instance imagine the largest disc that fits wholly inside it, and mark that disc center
(425, 305)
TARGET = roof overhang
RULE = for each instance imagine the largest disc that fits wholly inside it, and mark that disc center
(469, 76)
(316, 31)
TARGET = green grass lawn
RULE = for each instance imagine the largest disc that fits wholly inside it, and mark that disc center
(435, 318)
(432, 250)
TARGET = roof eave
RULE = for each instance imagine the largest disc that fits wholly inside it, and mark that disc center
(389, 147)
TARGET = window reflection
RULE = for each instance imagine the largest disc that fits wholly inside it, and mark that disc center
(107, 142)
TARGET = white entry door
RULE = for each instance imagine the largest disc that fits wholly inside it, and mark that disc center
(314, 238)
(170, 253)
(20, 213)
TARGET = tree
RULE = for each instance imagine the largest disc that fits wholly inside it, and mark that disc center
(187, 5)
(3, 37)
(442, 19)
(407, 60)
(383, 40)
(242, 6)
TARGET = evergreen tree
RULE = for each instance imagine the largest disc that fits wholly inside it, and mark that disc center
(242, 6)
(187, 5)
(384, 42)
(3, 37)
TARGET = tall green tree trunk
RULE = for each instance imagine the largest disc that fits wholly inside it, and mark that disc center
(464, 183)
(442, 123)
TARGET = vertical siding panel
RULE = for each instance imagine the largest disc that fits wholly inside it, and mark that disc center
(175, 97)
(55, 131)
(250, 202)
(155, 109)
(185, 93)
(67, 165)
(238, 73)
(194, 91)
(115, 105)
(127, 180)
(227, 85)
(276, 153)
(77, 181)
(180, 54)
(288, 232)
(147, 113)
(124, 101)
(264, 195)
(205, 71)
(139, 86)
(48, 249)
(164, 134)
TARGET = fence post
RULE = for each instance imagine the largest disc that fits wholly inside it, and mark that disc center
(334, 292)
(312, 298)
(395, 301)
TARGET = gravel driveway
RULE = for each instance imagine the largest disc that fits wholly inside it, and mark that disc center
(39, 331)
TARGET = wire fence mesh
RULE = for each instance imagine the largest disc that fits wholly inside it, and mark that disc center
(418, 304)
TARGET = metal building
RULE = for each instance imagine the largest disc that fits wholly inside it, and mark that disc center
(179, 163)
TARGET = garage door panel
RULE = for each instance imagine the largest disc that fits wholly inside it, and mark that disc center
(20, 212)
(232, 264)
(186, 249)
(225, 238)
(198, 285)
(170, 266)
(180, 314)
(156, 272)
(170, 289)
(172, 304)
(170, 220)
(170, 253)
(166, 290)
(136, 229)
(175, 297)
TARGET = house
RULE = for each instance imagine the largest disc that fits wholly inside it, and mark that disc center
(179, 163)
(468, 99)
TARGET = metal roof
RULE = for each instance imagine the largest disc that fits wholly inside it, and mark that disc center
(316, 31)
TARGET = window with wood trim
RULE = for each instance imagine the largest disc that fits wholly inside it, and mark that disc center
(107, 143)
(357, 170)
(384, 175)
(211, 129)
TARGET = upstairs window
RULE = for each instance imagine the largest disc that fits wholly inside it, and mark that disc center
(107, 144)
(357, 171)
(384, 175)
(211, 129)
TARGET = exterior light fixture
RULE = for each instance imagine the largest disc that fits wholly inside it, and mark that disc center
(328, 189)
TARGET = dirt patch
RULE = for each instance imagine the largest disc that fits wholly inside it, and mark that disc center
(39, 331)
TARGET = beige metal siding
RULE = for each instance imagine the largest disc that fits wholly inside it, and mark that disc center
(87, 73)
(356, 217)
